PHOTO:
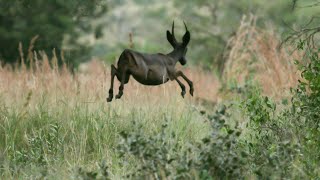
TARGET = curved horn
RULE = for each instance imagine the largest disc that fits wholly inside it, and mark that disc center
(186, 36)
(185, 26)
(172, 32)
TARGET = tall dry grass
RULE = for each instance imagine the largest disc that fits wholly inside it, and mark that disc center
(255, 52)
(92, 85)
(38, 95)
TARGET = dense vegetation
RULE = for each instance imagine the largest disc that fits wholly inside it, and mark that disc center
(260, 120)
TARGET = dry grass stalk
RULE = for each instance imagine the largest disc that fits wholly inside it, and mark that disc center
(254, 51)
(91, 86)
(54, 61)
(23, 65)
(30, 49)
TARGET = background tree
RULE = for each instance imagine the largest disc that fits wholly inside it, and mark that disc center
(58, 25)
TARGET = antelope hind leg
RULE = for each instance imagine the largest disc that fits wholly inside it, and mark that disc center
(124, 79)
(114, 72)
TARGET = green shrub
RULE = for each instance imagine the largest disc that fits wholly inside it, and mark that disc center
(161, 156)
(305, 112)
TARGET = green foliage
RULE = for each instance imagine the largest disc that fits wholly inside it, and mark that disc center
(291, 136)
(260, 110)
(102, 174)
(221, 154)
(270, 142)
(53, 21)
(40, 145)
(305, 111)
(263, 149)
(161, 156)
(156, 155)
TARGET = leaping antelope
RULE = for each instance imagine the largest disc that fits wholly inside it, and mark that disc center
(152, 69)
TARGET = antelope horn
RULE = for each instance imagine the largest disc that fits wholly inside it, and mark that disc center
(174, 38)
(172, 31)
(185, 26)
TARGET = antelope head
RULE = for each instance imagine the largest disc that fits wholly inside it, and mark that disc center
(179, 49)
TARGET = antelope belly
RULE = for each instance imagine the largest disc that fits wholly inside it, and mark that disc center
(152, 78)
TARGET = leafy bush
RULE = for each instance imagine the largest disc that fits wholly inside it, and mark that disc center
(161, 156)
(269, 139)
(290, 136)
(157, 155)
(221, 155)
(305, 112)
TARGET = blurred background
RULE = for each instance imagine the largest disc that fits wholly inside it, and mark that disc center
(254, 113)
(80, 30)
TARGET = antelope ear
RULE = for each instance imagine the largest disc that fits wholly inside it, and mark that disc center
(186, 38)
(170, 39)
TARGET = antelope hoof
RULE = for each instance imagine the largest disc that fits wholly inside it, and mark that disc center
(109, 99)
(119, 95)
(191, 91)
(183, 93)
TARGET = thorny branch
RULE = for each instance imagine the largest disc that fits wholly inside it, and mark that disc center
(306, 34)
(295, 4)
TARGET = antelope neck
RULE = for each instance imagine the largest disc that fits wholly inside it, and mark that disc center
(176, 55)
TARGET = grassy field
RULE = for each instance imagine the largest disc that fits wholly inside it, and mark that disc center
(52, 116)
(58, 125)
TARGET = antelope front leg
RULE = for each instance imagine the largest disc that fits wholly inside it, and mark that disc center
(113, 74)
(183, 88)
(190, 83)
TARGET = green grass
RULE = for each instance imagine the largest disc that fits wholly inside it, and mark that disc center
(56, 139)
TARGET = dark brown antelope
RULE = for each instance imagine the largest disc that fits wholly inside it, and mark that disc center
(152, 69)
